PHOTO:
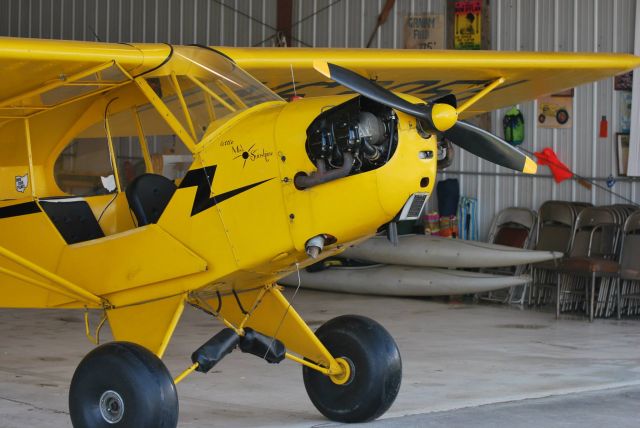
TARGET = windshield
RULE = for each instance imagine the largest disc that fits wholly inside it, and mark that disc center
(203, 89)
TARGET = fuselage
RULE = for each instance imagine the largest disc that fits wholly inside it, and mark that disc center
(262, 232)
(238, 218)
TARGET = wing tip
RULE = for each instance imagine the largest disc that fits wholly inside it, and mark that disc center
(322, 67)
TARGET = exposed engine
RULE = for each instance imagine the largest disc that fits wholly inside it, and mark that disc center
(446, 154)
(357, 136)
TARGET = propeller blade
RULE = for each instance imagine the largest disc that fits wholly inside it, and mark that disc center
(489, 147)
(436, 117)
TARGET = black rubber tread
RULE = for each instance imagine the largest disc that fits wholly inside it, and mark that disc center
(376, 377)
(142, 380)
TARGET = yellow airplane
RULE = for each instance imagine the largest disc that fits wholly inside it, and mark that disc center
(140, 178)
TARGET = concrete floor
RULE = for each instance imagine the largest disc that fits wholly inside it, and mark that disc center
(455, 356)
(610, 407)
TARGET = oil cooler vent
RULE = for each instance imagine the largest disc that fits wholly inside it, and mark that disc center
(414, 206)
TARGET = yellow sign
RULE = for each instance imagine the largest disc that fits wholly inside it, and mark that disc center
(424, 31)
(555, 111)
(467, 24)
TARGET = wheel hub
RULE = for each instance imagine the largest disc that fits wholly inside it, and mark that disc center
(111, 407)
(346, 375)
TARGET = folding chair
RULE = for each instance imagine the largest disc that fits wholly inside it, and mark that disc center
(592, 260)
(555, 228)
(514, 227)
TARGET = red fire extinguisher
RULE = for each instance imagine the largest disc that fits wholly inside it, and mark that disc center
(604, 127)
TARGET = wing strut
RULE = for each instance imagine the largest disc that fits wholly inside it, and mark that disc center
(471, 101)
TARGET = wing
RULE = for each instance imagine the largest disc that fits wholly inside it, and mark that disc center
(39, 74)
(432, 74)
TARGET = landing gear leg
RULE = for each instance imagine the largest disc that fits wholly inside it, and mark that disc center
(351, 365)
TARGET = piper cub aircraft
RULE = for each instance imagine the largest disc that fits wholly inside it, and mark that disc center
(139, 178)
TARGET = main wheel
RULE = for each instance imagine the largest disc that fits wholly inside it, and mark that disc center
(121, 384)
(375, 370)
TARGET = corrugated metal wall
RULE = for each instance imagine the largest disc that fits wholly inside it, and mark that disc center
(349, 23)
(560, 25)
(213, 22)
(549, 25)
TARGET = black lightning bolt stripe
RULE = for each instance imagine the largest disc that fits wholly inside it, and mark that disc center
(201, 178)
(19, 209)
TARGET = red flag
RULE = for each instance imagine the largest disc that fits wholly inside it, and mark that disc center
(559, 170)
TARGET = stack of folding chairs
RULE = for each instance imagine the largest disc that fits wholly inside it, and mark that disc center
(629, 280)
(589, 278)
(557, 220)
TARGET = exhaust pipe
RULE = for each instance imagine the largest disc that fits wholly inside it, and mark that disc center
(314, 246)
(322, 175)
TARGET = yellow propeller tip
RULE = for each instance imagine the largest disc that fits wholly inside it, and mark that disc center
(322, 67)
(530, 167)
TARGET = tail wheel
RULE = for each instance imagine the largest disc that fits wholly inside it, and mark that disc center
(121, 384)
(375, 370)
(542, 118)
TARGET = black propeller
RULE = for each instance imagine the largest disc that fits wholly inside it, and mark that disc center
(440, 116)
(490, 147)
(434, 117)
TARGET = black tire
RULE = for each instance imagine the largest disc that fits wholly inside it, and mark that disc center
(542, 118)
(127, 383)
(562, 116)
(376, 370)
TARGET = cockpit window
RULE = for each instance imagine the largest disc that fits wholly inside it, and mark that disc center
(203, 89)
(84, 167)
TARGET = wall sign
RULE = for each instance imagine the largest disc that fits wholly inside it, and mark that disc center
(625, 112)
(623, 82)
(467, 24)
(424, 31)
(622, 145)
(555, 111)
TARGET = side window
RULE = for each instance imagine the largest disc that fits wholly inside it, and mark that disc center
(84, 166)
(169, 156)
(166, 153)
(125, 137)
(129, 158)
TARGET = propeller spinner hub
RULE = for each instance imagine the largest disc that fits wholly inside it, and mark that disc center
(443, 116)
